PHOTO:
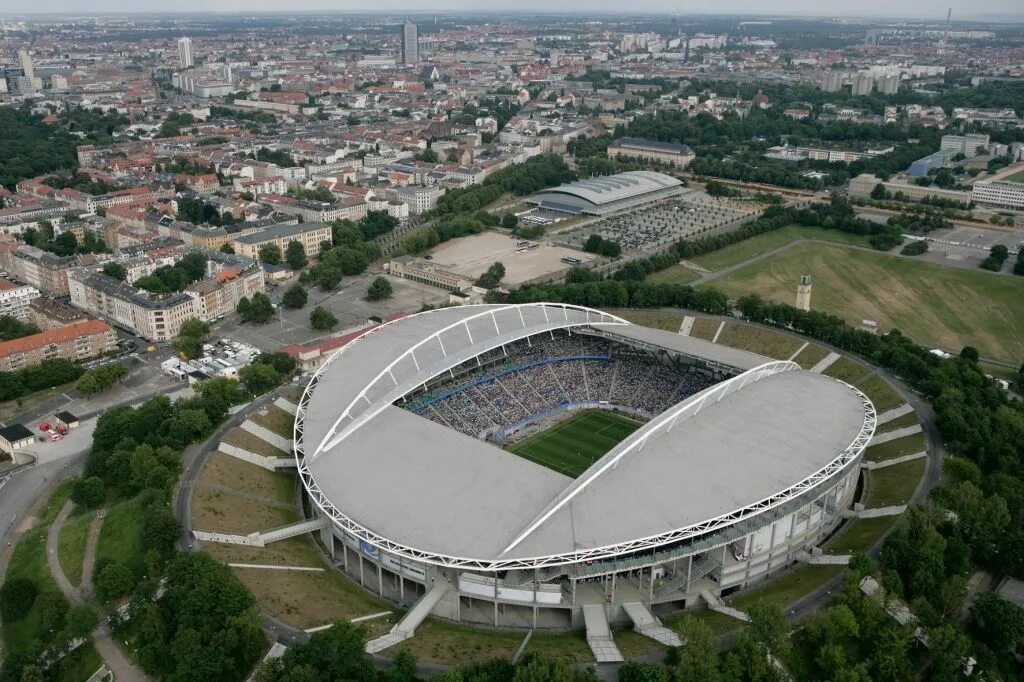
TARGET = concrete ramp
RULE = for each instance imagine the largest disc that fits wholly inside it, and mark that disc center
(599, 635)
(825, 363)
(648, 625)
(286, 405)
(880, 438)
(290, 531)
(716, 604)
(823, 559)
(687, 325)
(268, 436)
(895, 413)
(407, 626)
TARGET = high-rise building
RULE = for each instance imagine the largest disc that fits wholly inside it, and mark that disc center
(863, 83)
(889, 85)
(185, 53)
(832, 81)
(25, 62)
(410, 42)
(803, 293)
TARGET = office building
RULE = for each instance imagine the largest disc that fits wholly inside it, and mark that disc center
(410, 42)
(1002, 194)
(185, 60)
(75, 342)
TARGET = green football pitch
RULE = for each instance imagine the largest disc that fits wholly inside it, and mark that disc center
(573, 445)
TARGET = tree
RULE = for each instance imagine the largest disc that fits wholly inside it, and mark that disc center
(878, 192)
(89, 492)
(492, 277)
(697, 656)
(115, 270)
(16, 598)
(80, 621)
(509, 221)
(295, 297)
(295, 255)
(257, 310)
(999, 623)
(633, 671)
(114, 580)
(189, 346)
(270, 253)
(259, 378)
(333, 654)
(227, 248)
(322, 319)
(970, 353)
(428, 155)
(379, 290)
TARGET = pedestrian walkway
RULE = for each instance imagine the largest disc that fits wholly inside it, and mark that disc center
(648, 625)
(406, 627)
(718, 332)
(687, 325)
(717, 605)
(798, 351)
(599, 635)
(823, 559)
(880, 438)
(881, 464)
(825, 363)
(267, 436)
(895, 413)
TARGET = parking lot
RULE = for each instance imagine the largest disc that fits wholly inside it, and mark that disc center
(654, 228)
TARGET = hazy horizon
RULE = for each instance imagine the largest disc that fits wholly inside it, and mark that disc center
(910, 9)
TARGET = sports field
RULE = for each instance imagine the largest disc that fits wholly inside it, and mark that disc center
(935, 305)
(573, 445)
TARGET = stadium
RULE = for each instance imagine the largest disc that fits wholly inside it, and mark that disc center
(605, 195)
(537, 465)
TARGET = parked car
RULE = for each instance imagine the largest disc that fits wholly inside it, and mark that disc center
(44, 427)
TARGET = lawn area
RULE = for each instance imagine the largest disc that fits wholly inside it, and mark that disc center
(1016, 177)
(810, 356)
(860, 535)
(573, 445)
(73, 535)
(933, 304)
(880, 392)
(907, 445)
(788, 588)
(846, 370)
(719, 622)
(704, 328)
(28, 561)
(909, 419)
(676, 274)
(220, 511)
(895, 484)
(757, 340)
(446, 644)
(241, 438)
(748, 248)
(652, 318)
(277, 420)
(121, 535)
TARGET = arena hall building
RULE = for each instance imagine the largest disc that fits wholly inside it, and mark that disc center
(414, 443)
(605, 195)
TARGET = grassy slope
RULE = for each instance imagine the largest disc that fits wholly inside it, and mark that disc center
(933, 304)
(73, 537)
(121, 536)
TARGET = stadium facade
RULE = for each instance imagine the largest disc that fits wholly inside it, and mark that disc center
(605, 195)
(742, 462)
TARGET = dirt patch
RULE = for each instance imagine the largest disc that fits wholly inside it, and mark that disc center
(471, 256)
(290, 552)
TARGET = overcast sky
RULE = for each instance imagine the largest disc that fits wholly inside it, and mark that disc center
(904, 8)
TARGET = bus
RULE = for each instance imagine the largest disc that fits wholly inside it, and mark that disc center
(571, 260)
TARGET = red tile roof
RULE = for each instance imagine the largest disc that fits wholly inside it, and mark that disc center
(58, 335)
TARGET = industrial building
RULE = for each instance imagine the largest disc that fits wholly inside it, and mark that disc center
(605, 195)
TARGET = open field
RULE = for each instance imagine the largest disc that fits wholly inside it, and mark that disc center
(933, 304)
(676, 274)
(73, 536)
(810, 356)
(704, 328)
(277, 420)
(880, 392)
(895, 484)
(224, 470)
(748, 248)
(786, 589)
(1016, 177)
(757, 340)
(907, 445)
(906, 420)
(669, 322)
(243, 439)
(472, 255)
(121, 535)
(860, 535)
(573, 445)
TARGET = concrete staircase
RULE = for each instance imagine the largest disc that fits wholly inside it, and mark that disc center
(406, 627)
(648, 625)
(716, 604)
(599, 635)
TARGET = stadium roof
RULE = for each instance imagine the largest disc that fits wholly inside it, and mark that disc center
(420, 489)
(598, 191)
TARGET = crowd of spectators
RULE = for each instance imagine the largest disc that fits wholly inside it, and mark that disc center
(536, 376)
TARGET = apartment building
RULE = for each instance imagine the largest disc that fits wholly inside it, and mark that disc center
(50, 314)
(75, 342)
(967, 145)
(15, 299)
(311, 235)
(420, 199)
(151, 316)
(46, 271)
(679, 155)
(220, 294)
